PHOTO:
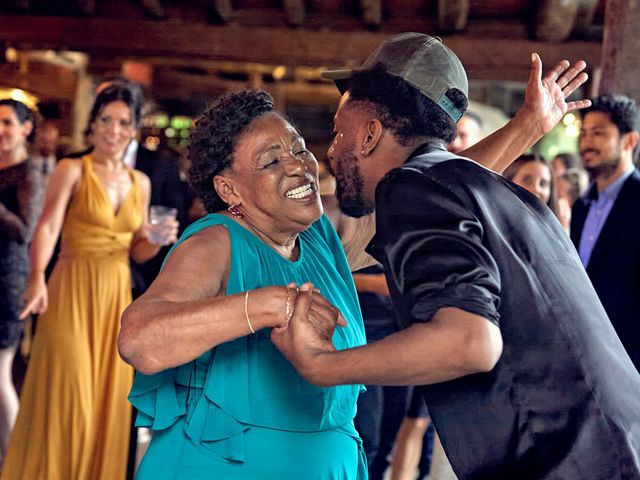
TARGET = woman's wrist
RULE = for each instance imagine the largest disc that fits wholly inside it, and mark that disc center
(270, 307)
(36, 276)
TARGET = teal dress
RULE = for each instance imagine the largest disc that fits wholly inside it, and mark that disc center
(241, 411)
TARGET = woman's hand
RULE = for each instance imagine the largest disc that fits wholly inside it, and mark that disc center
(309, 334)
(163, 233)
(36, 298)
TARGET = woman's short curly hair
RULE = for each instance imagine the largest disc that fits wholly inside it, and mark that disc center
(214, 138)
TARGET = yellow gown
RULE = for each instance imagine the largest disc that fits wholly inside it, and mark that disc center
(74, 416)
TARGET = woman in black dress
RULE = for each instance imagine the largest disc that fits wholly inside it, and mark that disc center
(20, 203)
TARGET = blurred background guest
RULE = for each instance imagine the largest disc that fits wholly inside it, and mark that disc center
(20, 203)
(74, 418)
(533, 173)
(571, 181)
(563, 162)
(469, 132)
(46, 146)
(571, 185)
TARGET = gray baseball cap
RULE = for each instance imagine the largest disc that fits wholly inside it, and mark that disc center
(421, 60)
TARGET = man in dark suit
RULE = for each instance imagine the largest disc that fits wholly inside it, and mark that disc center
(605, 223)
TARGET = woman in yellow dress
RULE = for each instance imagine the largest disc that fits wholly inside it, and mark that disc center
(74, 418)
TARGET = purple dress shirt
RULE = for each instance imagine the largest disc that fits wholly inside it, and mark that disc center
(599, 209)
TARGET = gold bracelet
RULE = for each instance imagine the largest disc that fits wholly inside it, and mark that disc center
(246, 311)
(288, 311)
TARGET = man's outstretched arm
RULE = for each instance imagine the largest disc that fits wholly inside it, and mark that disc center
(453, 344)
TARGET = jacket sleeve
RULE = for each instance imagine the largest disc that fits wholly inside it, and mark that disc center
(434, 248)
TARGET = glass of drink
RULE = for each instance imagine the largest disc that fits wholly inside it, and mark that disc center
(159, 217)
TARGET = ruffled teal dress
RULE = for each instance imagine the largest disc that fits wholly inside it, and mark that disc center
(241, 411)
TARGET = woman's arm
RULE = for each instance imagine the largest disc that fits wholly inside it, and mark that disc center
(355, 234)
(19, 226)
(186, 311)
(371, 283)
(60, 189)
(141, 249)
(544, 106)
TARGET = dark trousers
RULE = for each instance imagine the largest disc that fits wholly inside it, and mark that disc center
(380, 412)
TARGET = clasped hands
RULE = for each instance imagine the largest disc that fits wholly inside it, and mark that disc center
(307, 334)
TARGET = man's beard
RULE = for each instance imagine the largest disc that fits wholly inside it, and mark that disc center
(350, 186)
(605, 169)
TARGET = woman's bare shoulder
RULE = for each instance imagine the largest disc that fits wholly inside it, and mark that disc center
(199, 266)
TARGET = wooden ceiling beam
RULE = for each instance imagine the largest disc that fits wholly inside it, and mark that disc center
(168, 83)
(221, 10)
(296, 12)
(46, 81)
(153, 9)
(371, 12)
(276, 46)
(453, 15)
(555, 19)
(586, 13)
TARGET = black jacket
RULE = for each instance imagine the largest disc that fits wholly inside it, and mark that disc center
(563, 401)
(614, 266)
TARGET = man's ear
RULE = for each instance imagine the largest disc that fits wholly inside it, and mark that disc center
(373, 135)
(226, 190)
(631, 139)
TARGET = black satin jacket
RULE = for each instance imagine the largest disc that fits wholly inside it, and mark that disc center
(563, 402)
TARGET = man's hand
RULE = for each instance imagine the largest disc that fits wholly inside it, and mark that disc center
(546, 98)
(309, 334)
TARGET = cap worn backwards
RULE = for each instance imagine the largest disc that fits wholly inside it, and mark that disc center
(422, 61)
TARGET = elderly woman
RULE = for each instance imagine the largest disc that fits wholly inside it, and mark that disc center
(240, 410)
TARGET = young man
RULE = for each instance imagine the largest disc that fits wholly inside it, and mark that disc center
(605, 225)
(524, 375)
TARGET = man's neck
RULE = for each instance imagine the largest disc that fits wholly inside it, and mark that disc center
(603, 180)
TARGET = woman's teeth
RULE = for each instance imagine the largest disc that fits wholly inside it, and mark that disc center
(300, 192)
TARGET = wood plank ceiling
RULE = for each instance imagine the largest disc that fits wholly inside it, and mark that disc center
(205, 47)
(229, 41)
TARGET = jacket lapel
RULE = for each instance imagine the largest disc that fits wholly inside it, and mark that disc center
(578, 217)
(614, 221)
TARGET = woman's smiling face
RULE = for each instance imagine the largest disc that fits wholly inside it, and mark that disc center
(275, 174)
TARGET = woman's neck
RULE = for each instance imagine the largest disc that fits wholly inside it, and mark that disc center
(110, 162)
(13, 157)
(285, 243)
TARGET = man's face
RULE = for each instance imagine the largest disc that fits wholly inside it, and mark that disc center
(47, 139)
(345, 165)
(600, 145)
(468, 133)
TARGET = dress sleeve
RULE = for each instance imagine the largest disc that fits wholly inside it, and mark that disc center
(19, 226)
(434, 248)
